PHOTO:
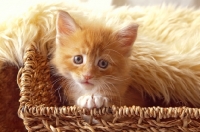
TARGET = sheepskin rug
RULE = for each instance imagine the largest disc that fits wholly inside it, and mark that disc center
(165, 59)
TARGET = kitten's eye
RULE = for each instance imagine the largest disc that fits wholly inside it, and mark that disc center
(103, 63)
(78, 59)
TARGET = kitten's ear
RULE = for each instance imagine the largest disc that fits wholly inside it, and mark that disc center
(65, 24)
(126, 37)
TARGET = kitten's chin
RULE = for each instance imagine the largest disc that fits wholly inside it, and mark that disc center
(86, 85)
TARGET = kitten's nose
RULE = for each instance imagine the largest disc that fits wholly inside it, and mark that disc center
(87, 77)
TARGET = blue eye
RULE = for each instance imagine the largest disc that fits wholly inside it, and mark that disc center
(103, 63)
(78, 59)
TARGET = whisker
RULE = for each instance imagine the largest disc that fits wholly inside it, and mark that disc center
(115, 78)
(110, 58)
(108, 44)
(110, 90)
(59, 95)
(115, 52)
(116, 91)
(55, 81)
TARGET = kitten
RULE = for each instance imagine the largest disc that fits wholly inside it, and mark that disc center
(94, 63)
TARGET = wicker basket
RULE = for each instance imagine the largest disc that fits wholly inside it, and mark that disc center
(40, 109)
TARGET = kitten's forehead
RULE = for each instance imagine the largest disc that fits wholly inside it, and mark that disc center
(96, 40)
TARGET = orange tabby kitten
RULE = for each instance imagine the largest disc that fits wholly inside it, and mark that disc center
(94, 62)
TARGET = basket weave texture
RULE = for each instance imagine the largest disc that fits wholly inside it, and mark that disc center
(40, 110)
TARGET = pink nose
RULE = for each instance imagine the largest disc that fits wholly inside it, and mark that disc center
(87, 77)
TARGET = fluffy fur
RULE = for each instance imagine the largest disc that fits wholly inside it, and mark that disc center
(165, 63)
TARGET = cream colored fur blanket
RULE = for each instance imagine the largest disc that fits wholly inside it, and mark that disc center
(166, 62)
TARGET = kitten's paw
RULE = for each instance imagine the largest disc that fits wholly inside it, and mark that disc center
(92, 102)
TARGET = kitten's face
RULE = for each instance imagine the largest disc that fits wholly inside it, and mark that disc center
(93, 57)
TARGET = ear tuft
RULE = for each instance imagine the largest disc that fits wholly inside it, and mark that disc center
(65, 24)
(126, 37)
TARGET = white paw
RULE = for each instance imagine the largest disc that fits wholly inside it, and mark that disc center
(92, 102)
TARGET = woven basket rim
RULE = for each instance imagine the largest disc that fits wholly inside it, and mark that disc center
(143, 112)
